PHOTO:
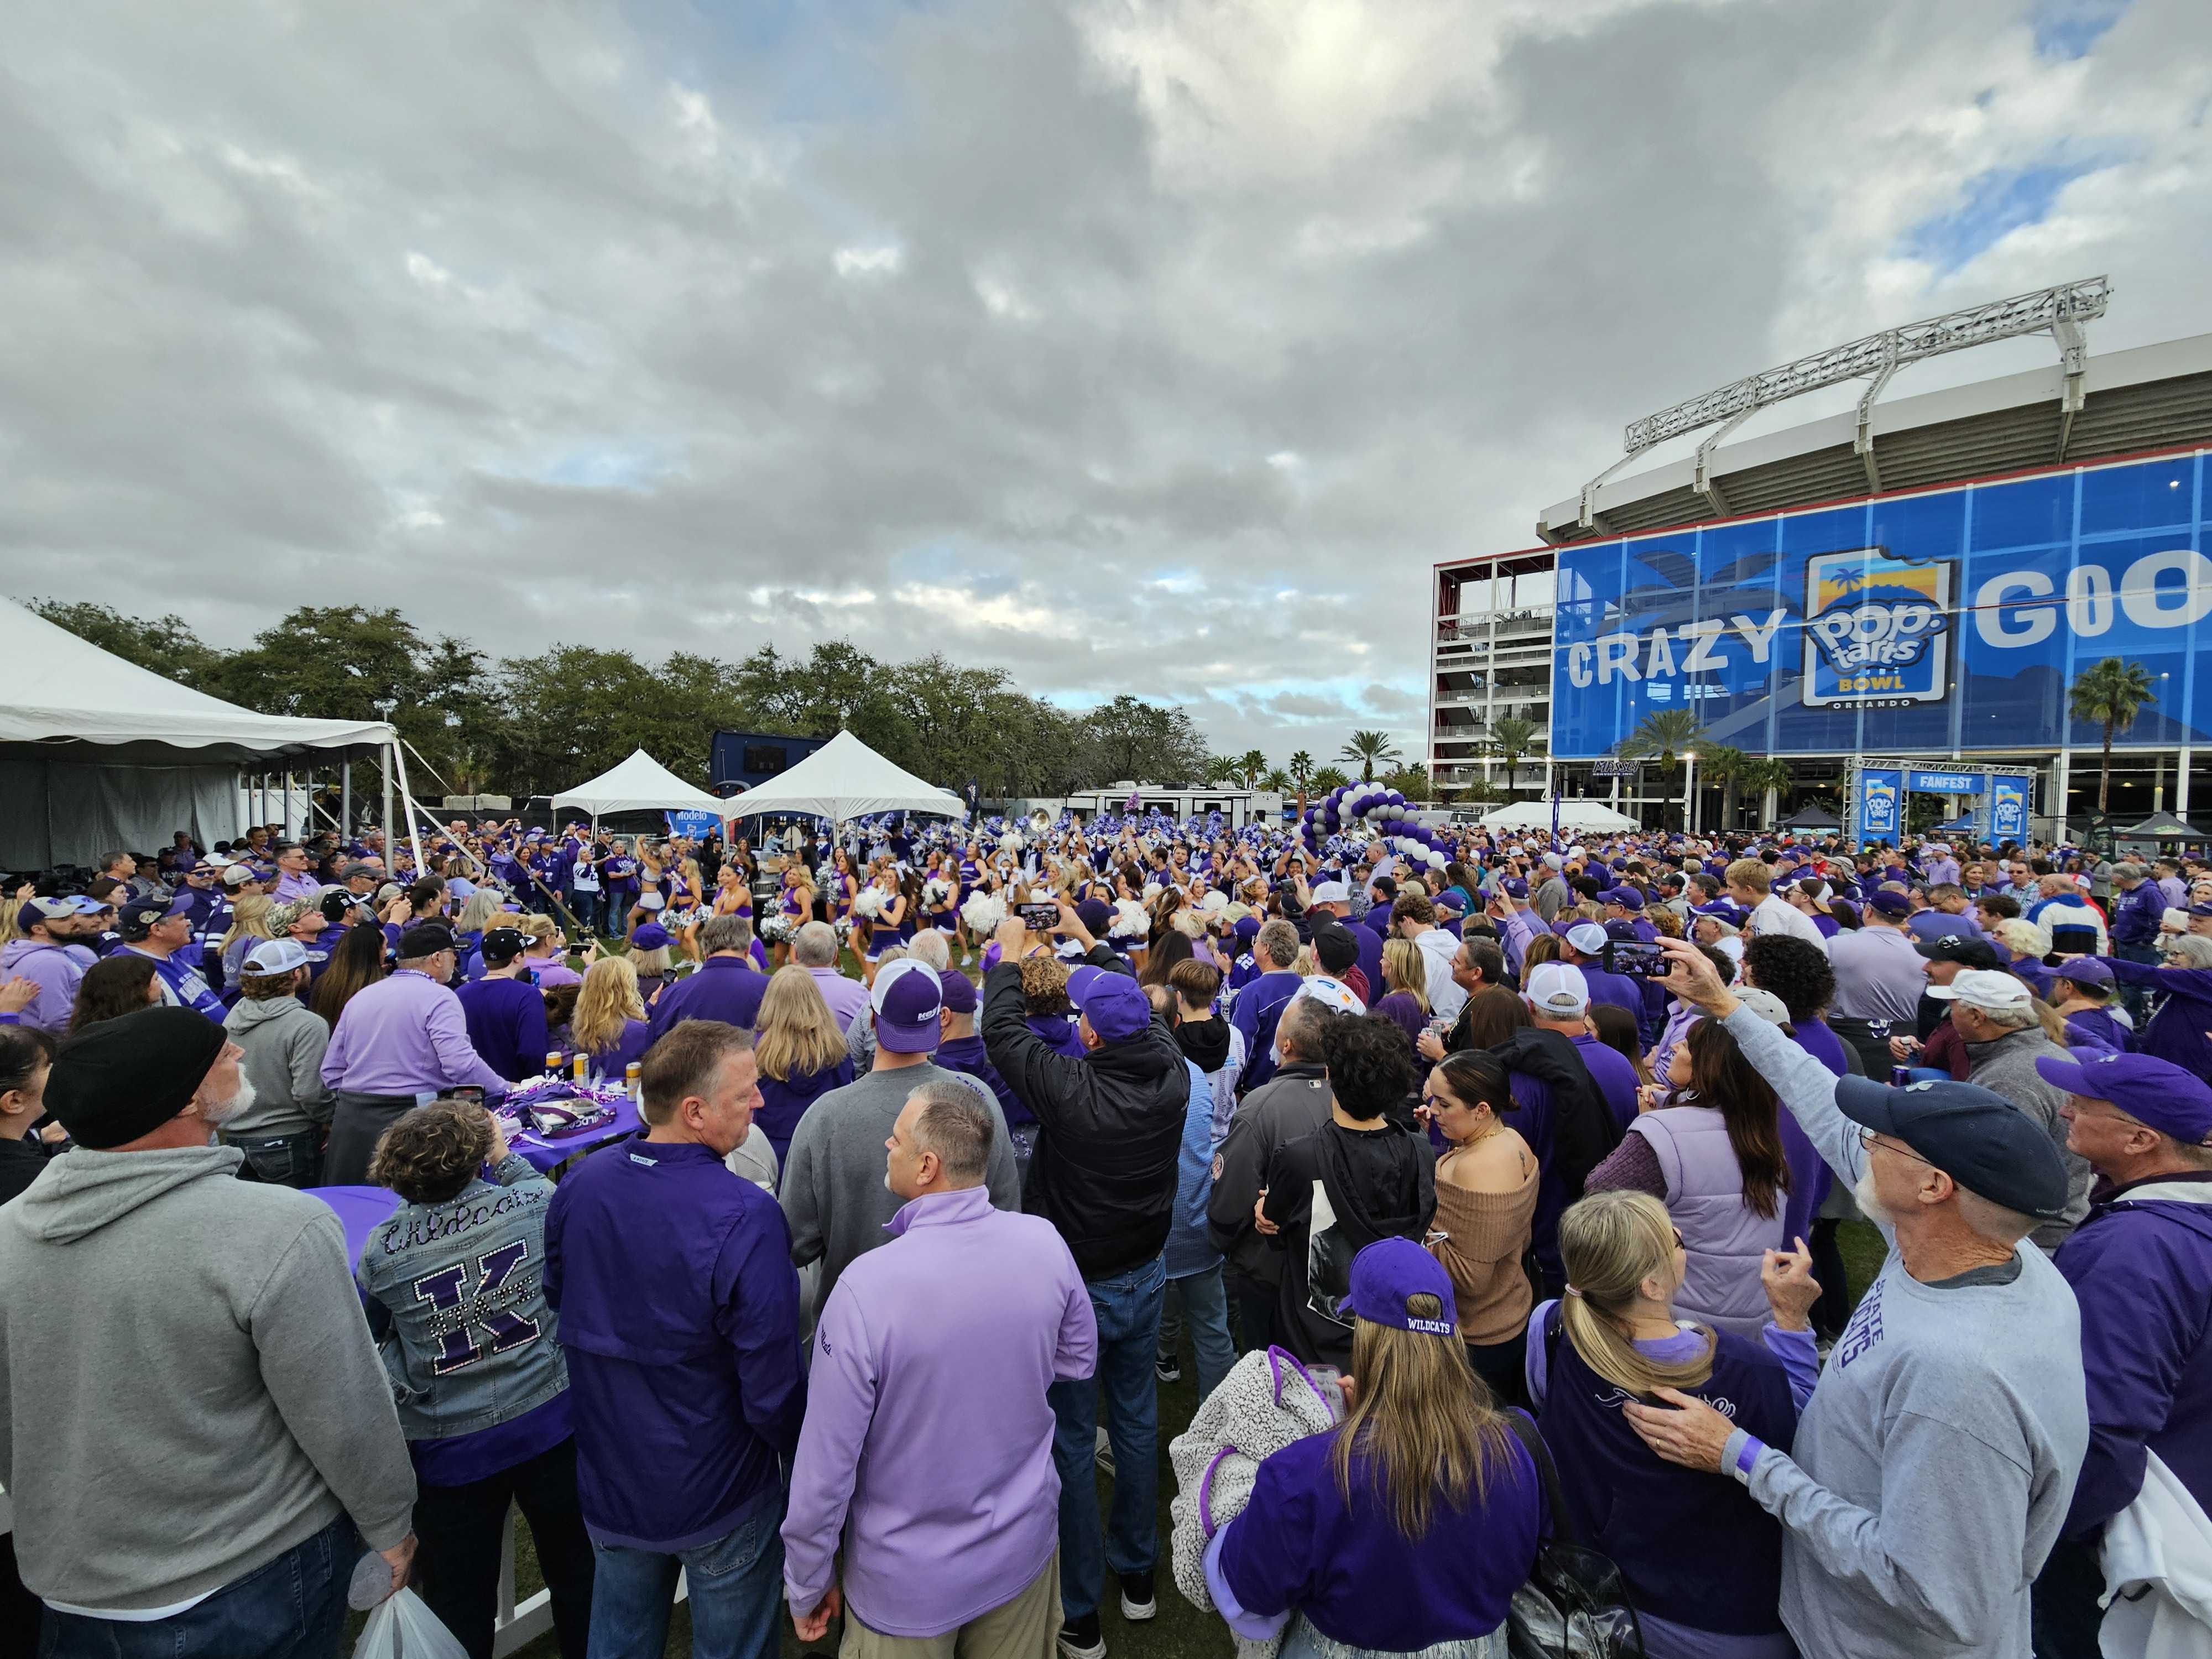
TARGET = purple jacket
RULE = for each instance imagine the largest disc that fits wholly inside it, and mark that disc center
(1726, 1237)
(965, 1318)
(57, 972)
(2135, 916)
(846, 998)
(2176, 1031)
(725, 987)
(679, 1317)
(2141, 1267)
(403, 1036)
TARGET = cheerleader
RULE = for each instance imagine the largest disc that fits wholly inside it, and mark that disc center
(940, 899)
(844, 888)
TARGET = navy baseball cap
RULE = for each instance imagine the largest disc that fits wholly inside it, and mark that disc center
(906, 999)
(1978, 1138)
(501, 945)
(425, 939)
(139, 919)
(1388, 1273)
(1113, 1003)
(2152, 1091)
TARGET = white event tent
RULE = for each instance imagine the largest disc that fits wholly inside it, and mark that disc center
(845, 779)
(1583, 817)
(640, 784)
(97, 753)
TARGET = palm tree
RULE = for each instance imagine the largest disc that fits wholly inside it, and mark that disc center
(2110, 695)
(1369, 750)
(1760, 775)
(1664, 735)
(1331, 777)
(1251, 767)
(1725, 764)
(1302, 770)
(1511, 738)
(1275, 781)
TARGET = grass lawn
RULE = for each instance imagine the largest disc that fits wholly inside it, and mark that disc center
(1180, 1632)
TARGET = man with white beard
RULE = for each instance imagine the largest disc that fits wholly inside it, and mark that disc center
(1933, 1466)
(193, 1419)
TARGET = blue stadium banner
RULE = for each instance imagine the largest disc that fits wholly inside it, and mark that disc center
(1920, 782)
(2009, 794)
(1881, 804)
(1953, 620)
(698, 825)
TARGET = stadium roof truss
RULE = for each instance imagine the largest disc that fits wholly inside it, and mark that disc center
(2060, 312)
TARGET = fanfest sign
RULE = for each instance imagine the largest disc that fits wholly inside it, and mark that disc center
(1950, 620)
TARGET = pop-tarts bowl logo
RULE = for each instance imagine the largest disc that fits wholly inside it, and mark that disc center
(1879, 815)
(1876, 632)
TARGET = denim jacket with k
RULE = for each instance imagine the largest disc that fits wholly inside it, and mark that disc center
(457, 1293)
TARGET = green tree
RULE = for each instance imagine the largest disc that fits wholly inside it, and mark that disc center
(166, 645)
(2110, 695)
(1328, 778)
(1664, 736)
(1411, 781)
(1726, 765)
(1251, 767)
(1277, 781)
(1302, 770)
(1774, 774)
(1369, 750)
(1141, 742)
(1510, 741)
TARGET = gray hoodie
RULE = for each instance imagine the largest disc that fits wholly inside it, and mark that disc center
(2007, 1067)
(187, 1385)
(283, 1042)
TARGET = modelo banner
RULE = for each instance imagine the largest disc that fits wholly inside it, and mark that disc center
(696, 825)
(1881, 804)
(1953, 620)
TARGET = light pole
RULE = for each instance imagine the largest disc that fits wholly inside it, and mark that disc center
(1689, 793)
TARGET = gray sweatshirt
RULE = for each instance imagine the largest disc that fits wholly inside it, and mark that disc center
(833, 1192)
(283, 1042)
(2007, 1067)
(1934, 1462)
(187, 1385)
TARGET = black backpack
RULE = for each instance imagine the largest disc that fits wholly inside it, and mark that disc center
(1575, 1605)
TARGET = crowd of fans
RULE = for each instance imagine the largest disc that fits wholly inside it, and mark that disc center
(1498, 1199)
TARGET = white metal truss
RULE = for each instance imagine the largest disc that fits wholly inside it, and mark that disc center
(2059, 311)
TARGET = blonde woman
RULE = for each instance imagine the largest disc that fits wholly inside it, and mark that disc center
(249, 926)
(1403, 996)
(546, 953)
(800, 1054)
(1615, 1337)
(608, 1027)
(482, 911)
(1424, 1473)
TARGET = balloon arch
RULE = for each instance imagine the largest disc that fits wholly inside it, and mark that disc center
(1357, 810)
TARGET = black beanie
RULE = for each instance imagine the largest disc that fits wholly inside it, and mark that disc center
(125, 1077)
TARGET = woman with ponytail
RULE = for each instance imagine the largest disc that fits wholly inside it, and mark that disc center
(1713, 1156)
(1702, 1560)
(1485, 1203)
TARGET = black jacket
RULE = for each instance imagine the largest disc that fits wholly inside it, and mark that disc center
(1109, 1128)
(1381, 1182)
(1583, 1128)
(1293, 1103)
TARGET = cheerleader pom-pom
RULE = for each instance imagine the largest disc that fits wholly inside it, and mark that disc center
(935, 892)
(1131, 920)
(983, 912)
(869, 903)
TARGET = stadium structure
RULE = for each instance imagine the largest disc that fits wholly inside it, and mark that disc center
(1896, 598)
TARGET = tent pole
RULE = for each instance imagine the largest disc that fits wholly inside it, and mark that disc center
(391, 841)
(288, 804)
(345, 797)
(407, 801)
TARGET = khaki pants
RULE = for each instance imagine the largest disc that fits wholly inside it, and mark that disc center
(1023, 1628)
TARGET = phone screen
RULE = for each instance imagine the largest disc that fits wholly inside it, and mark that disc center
(1039, 915)
(1635, 957)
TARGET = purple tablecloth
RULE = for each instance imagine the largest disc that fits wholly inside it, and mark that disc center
(360, 1208)
(543, 1155)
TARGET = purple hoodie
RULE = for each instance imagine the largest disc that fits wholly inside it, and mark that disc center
(57, 972)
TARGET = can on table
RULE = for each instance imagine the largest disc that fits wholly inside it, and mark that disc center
(1900, 1076)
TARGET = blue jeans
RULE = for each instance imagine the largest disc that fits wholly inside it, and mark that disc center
(1127, 1308)
(291, 1607)
(587, 908)
(735, 1584)
(1202, 1299)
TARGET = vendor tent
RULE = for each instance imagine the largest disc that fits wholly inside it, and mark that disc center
(98, 753)
(640, 784)
(1811, 817)
(845, 779)
(1592, 816)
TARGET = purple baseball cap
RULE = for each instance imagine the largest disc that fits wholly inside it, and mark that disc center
(2152, 1091)
(1388, 1273)
(2084, 970)
(907, 997)
(1889, 902)
(958, 992)
(650, 937)
(1113, 1003)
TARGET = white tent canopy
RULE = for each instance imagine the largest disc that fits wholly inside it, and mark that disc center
(1582, 816)
(71, 689)
(640, 784)
(845, 779)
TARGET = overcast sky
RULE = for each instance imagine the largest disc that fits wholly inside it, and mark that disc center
(1156, 346)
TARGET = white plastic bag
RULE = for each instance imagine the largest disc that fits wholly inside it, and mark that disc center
(401, 1627)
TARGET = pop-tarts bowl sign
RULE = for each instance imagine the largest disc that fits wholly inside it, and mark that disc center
(1946, 620)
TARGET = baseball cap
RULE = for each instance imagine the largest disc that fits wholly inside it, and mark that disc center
(1560, 989)
(1627, 897)
(1889, 902)
(501, 945)
(1957, 947)
(1388, 1273)
(276, 955)
(425, 939)
(1514, 887)
(1113, 1002)
(1767, 1005)
(2084, 970)
(238, 874)
(650, 936)
(1587, 937)
(906, 999)
(1331, 994)
(138, 919)
(1332, 892)
(958, 992)
(1984, 987)
(2151, 1090)
(37, 910)
(1980, 1139)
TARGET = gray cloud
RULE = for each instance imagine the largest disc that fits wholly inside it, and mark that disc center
(1147, 345)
